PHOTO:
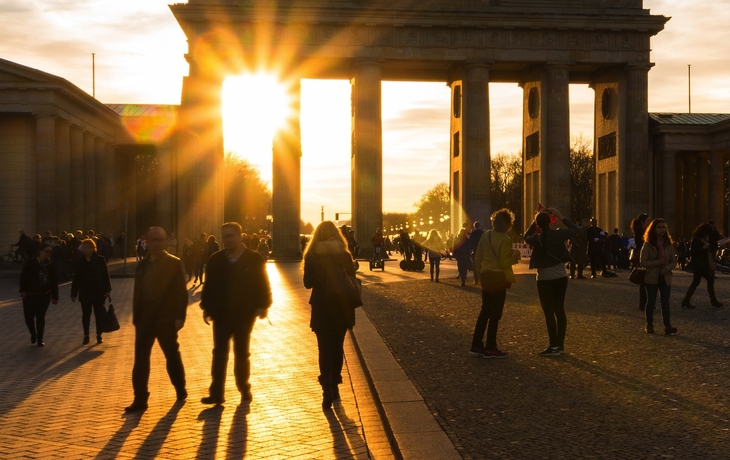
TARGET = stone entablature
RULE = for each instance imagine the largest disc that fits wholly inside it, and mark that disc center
(333, 33)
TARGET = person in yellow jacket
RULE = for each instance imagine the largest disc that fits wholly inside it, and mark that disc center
(493, 262)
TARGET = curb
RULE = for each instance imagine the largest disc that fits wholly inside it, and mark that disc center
(409, 424)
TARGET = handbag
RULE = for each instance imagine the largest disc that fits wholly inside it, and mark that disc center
(637, 275)
(110, 323)
(494, 281)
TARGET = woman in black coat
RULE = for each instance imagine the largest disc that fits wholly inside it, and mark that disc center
(327, 263)
(38, 288)
(91, 284)
(703, 263)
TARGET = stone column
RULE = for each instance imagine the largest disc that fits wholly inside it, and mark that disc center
(46, 198)
(286, 182)
(164, 186)
(668, 186)
(703, 187)
(638, 173)
(690, 192)
(77, 179)
(89, 178)
(101, 225)
(111, 207)
(476, 199)
(367, 153)
(556, 176)
(717, 190)
(678, 227)
(200, 156)
(62, 175)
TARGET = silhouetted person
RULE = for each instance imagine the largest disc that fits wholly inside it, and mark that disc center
(236, 291)
(159, 309)
(38, 288)
(200, 254)
(327, 262)
(91, 284)
(474, 236)
(23, 245)
(702, 261)
(578, 251)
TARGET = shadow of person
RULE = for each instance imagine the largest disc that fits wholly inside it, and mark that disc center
(238, 434)
(27, 368)
(339, 441)
(154, 441)
(350, 428)
(114, 445)
(211, 418)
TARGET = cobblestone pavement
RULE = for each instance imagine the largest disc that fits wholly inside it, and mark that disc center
(618, 393)
(65, 400)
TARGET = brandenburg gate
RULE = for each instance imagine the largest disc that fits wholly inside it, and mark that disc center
(542, 45)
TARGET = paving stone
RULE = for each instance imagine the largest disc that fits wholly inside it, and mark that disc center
(66, 400)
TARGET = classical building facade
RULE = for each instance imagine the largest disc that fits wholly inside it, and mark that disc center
(544, 45)
(68, 162)
(691, 153)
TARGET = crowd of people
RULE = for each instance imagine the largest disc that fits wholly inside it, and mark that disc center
(236, 289)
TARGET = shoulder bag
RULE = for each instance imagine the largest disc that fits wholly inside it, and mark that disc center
(637, 275)
(494, 281)
(110, 323)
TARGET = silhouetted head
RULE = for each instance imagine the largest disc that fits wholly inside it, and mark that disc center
(543, 220)
(502, 220)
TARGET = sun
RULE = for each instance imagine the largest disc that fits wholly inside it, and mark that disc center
(254, 107)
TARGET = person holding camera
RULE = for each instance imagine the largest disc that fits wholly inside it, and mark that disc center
(549, 257)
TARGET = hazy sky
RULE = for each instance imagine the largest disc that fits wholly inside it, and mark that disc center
(139, 59)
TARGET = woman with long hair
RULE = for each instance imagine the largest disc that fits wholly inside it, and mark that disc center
(434, 245)
(326, 263)
(493, 262)
(701, 261)
(38, 288)
(549, 258)
(658, 258)
(638, 227)
(91, 284)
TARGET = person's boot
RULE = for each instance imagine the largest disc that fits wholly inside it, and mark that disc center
(669, 330)
(649, 328)
(336, 382)
(139, 404)
(327, 393)
(687, 297)
(713, 298)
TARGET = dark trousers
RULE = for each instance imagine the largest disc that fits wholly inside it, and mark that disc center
(643, 297)
(166, 335)
(198, 271)
(552, 300)
(462, 264)
(223, 331)
(99, 313)
(435, 266)
(597, 261)
(698, 275)
(664, 290)
(331, 345)
(573, 266)
(492, 307)
(34, 310)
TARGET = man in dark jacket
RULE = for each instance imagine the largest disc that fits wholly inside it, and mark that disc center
(236, 291)
(578, 250)
(159, 309)
(474, 236)
(596, 243)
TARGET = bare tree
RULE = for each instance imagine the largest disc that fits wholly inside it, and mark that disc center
(248, 197)
(507, 180)
(431, 207)
(581, 177)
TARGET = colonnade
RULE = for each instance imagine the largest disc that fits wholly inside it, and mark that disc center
(692, 190)
(75, 186)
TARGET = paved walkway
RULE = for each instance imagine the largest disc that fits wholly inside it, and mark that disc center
(65, 400)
